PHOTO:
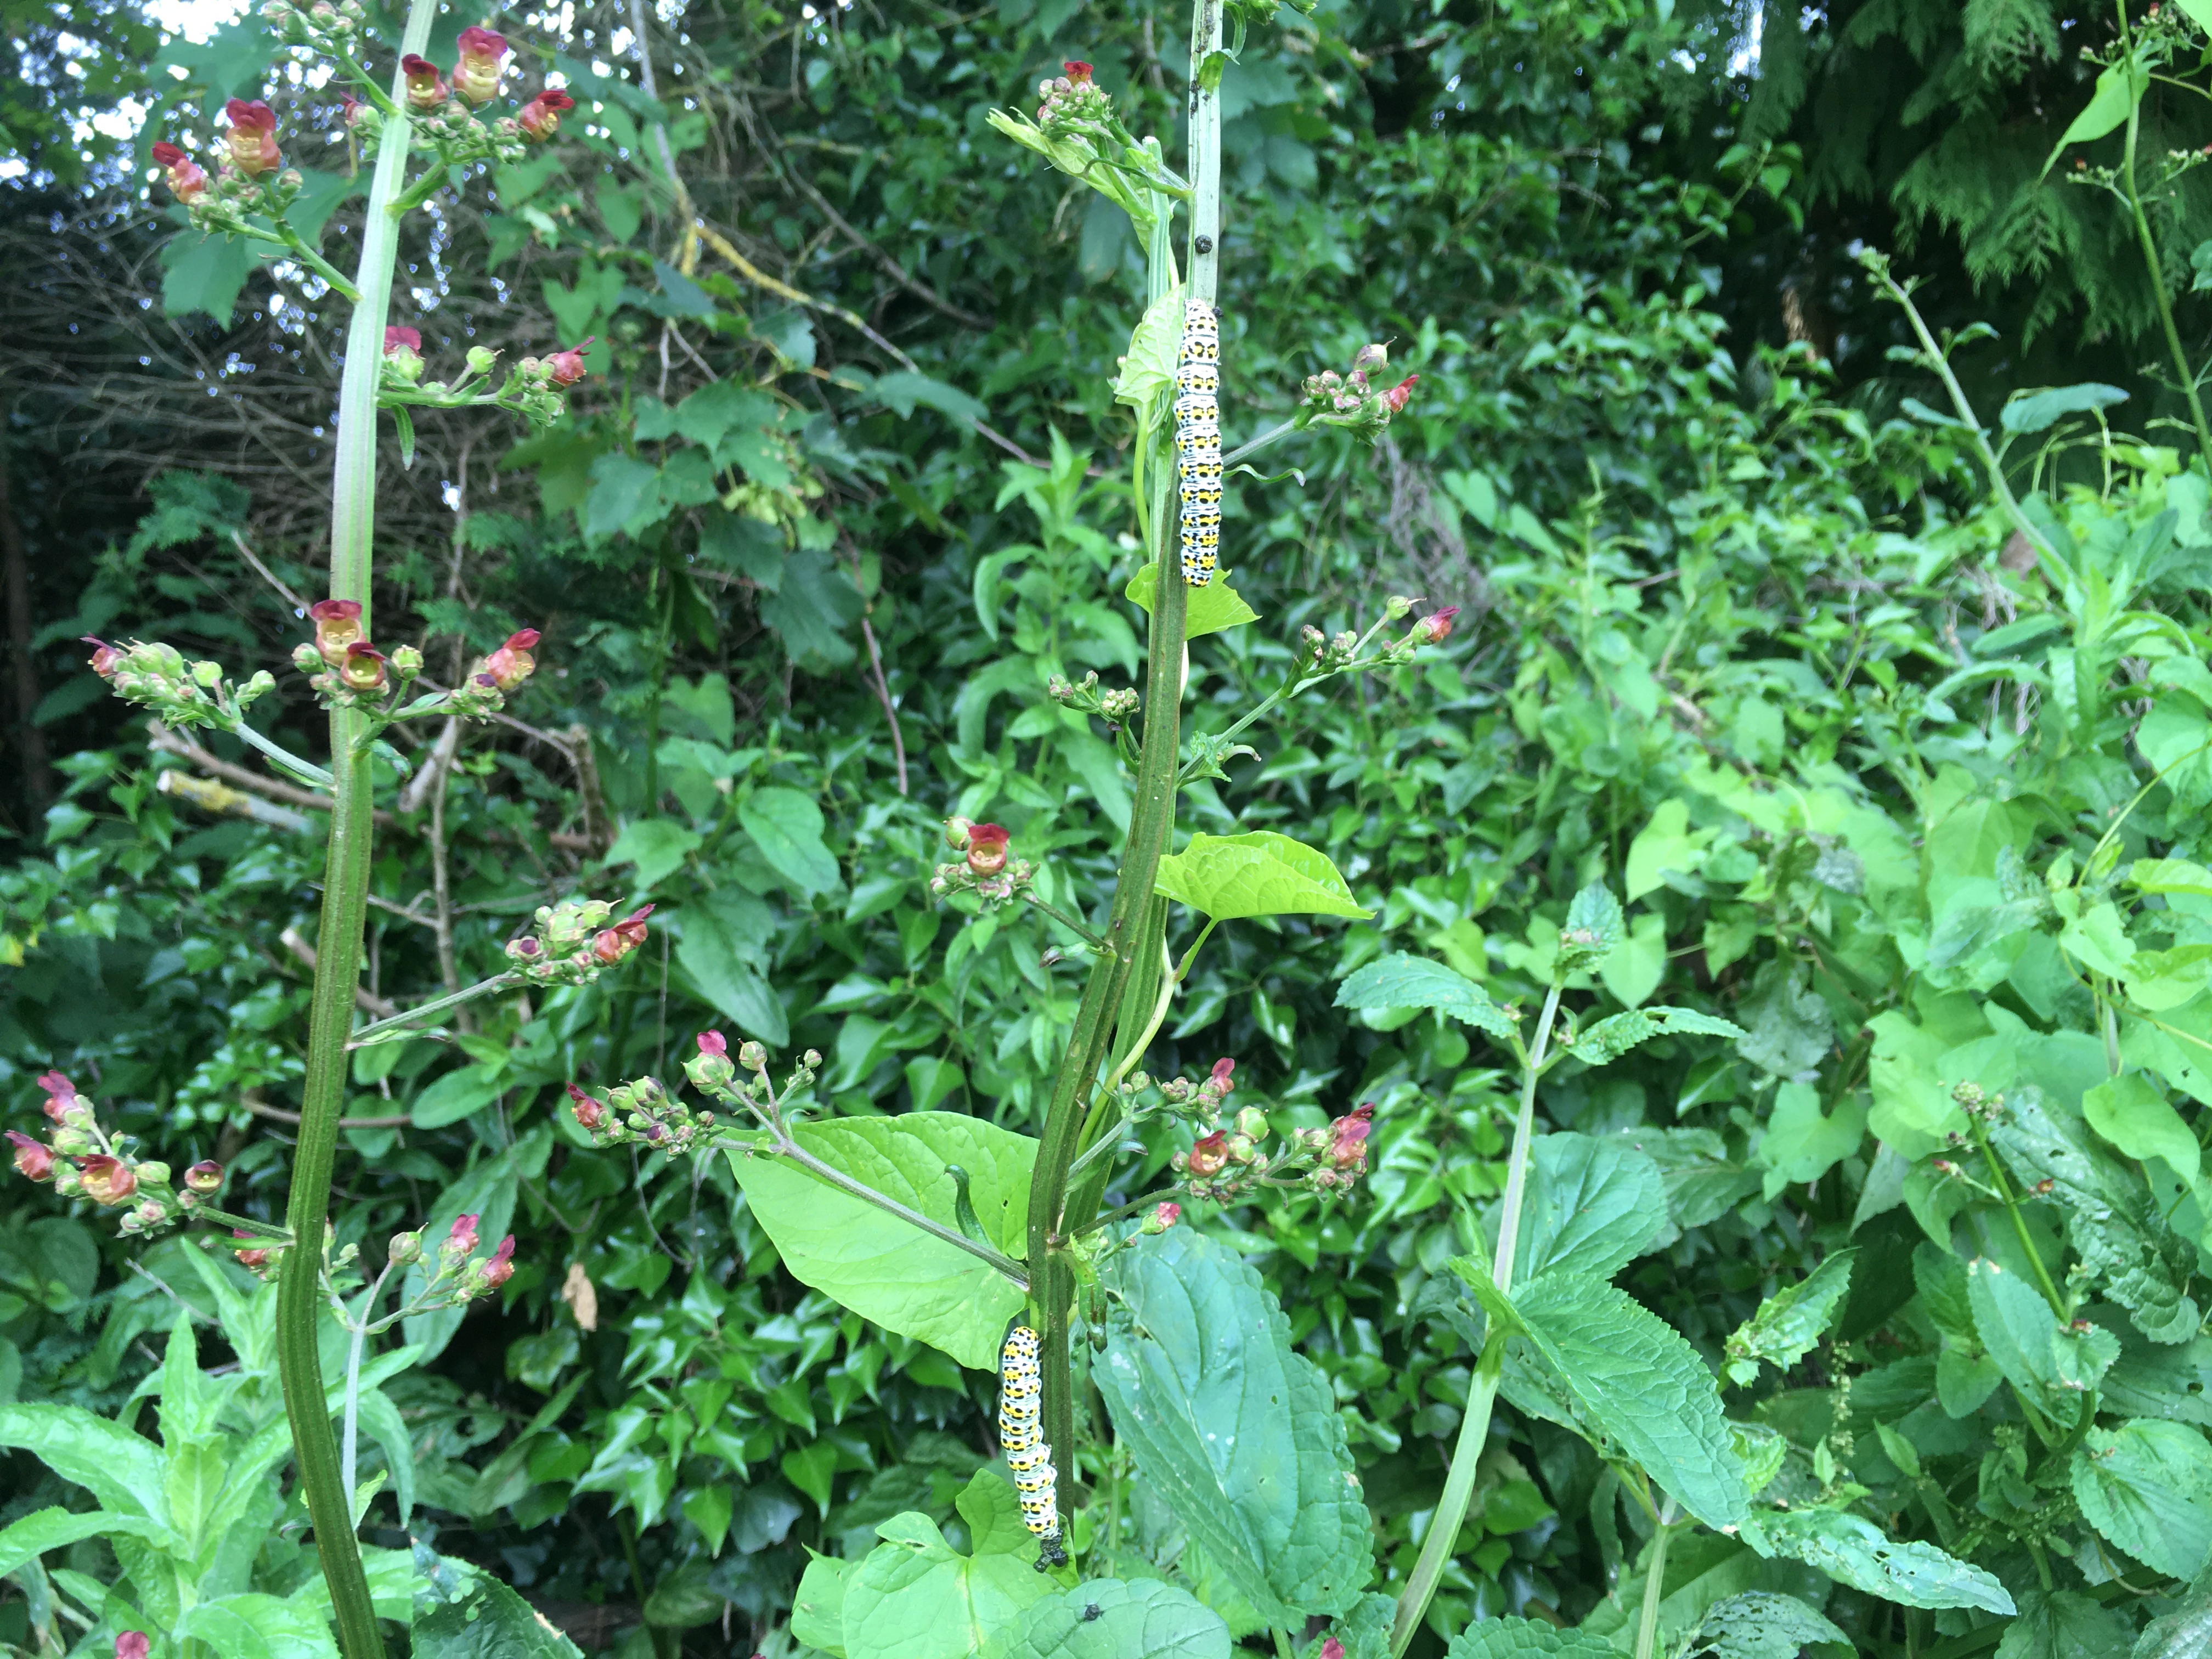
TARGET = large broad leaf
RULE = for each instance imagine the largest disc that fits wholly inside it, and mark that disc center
(1854, 1551)
(1212, 609)
(917, 1597)
(1108, 1619)
(729, 983)
(1611, 1038)
(462, 1612)
(2147, 1486)
(1258, 873)
(255, 1626)
(881, 1268)
(125, 1471)
(1510, 1638)
(1763, 1625)
(1150, 367)
(1592, 1206)
(786, 827)
(2040, 410)
(2130, 1113)
(57, 1528)
(2184, 1633)
(817, 1611)
(1401, 980)
(1237, 1431)
(2063, 1625)
(1636, 1379)
(2116, 92)
(1789, 1323)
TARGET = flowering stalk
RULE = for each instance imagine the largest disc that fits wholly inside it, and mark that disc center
(345, 902)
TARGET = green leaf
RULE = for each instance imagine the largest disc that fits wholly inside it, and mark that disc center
(1665, 844)
(624, 491)
(1800, 1144)
(2147, 1486)
(125, 1471)
(1641, 1384)
(817, 1611)
(815, 603)
(458, 1094)
(57, 1528)
(2063, 1625)
(2117, 89)
(1208, 610)
(787, 826)
(1854, 1551)
(1592, 1206)
(2184, 1633)
(1235, 1429)
(1763, 1625)
(2099, 939)
(871, 1261)
(1789, 1323)
(1613, 1037)
(1258, 873)
(2038, 412)
(729, 983)
(1510, 1638)
(1635, 967)
(2019, 1331)
(1108, 1619)
(256, 1627)
(1150, 367)
(463, 1613)
(1401, 980)
(2171, 876)
(657, 846)
(1790, 1030)
(1595, 927)
(901, 392)
(2129, 1112)
(917, 1597)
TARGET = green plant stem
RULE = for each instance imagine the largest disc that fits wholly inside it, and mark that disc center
(2158, 274)
(345, 905)
(1482, 1396)
(1654, 1582)
(246, 1224)
(1065, 920)
(1259, 443)
(357, 1350)
(436, 1005)
(284, 760)
(2019, 1221)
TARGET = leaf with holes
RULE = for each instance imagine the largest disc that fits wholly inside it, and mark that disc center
(1402, 980)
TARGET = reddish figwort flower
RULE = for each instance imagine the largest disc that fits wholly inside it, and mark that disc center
(337, 622)
(1434, 628)
(253, 137)
(566, 366)
(204, 1176)
(32, 1157)
(61, 1095)
(501, 1267)
(1076, 72)
(188, 181)
(253, 1256)
(615, 943)
(106, 1180)
(1223, 1082)
(482, 62)
(131, 1645)
(713, 1042)
(105, 657)
(1347, 1137)
(1210, 1155)
(1332, 1649)
(589, 1112)
(1400, 395)
(540, 118)
(461, 1241)
(363, 668)
(987, 848)
(511, 662)
(1164, 1216)
(426, 88)
(402, 341)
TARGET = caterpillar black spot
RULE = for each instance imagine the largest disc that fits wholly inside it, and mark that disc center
(1028, 1456)
(1197, 441)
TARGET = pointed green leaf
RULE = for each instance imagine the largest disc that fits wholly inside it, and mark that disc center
(1258, 873)
(1595, 927)
(1613, 1037)
(258, 1626)
(1854, 1551)
(2147, 1486)
(787, 826)
(462, 1612)
(1150, 367)
(2130, 1113)
(1235, 1430)
(2171, 876)
(1592, 1206)
(2063, 1625)
(1108, 1619)
(2115, 94)
(1763, 1625)
(1402, 980)
(1511, 1638)
(125, 1471)
(57, 1528)
(817, 1611)
(1212, 609)
(917, 1597)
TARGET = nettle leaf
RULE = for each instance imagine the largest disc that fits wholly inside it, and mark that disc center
(2184, 1633)
(479, 1617)
(2147, 1486)
(1212, 609)
(1592, 1206)
(1403, 981)
(1789, 1323)
(1853, 1551)
(2064, 1625)
(874, 1263)
(1613, 1037)
(1235, 1429)
(1150, 367)
(1258, 873)
(1109, 1619)
(917, 1597)
(1595, 927)
(1763, 1625)
(1511, 1638)
(787, 826)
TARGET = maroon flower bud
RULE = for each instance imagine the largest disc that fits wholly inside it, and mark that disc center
(1164, 1216)
(1434, 628)
(525, 950)
(350, 111)
(501, 1267)
(1223, 1082)
(540, 118)
(482, 62)
(1347, 1142)
(105, 657)
(253, 137)
(400, 341)
(589, 1112)
(106, 1180)
(511, 662)
(61, 1095)
(32, 1159)
(1332, 1649)
(188, 181)
(255, 1256)
(1400, 395)
(363, 668)
(426, 88)
(461, 1242)
(713, 1042)
(1210, 1155)
(337, 622)
(987, 848)
(1077, 73)
(566, 366)
(204, 1176)
(131, 1645)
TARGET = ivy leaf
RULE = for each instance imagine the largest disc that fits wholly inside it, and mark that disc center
(2147, 1486)
(1613, 1037)
(1854, 1551)
(1789, 1323)
(1150, 367)
(1109, 1619)
(1235, 1429)
(1403, 981)
(1511, 1638)
(1592, 1206)
(917, 1597)
(1595, 927)
(1208, 610)
(787, 826)
(1258, 873)
(871, 1261)
(1763, 1625)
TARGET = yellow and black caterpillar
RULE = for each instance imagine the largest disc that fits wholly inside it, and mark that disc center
(1197, 440)
(1027, 1456)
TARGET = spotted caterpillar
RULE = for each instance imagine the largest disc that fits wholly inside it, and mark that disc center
(1027, 1456)
(1197, 440)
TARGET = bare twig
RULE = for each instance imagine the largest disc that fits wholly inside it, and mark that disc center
(367, 999)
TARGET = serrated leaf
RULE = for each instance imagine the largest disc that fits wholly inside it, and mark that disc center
(252, 1626)
(1592, 1206)
(906, 1280)
(2063, 1625)
(1789, 1323)
(1854, 1551)
(1150, 367)
(1258, 873)
(1613, 1037)
(1594, 927)
(2147, 1486)
(1212, 609)
(1511, 1638)
(1110, 1618)
(1235, 1429)
(125, 1471)
(57, 1528)
(917, 1597)
(1642, 1384)
(1404, 981)
(1762, 1625)
(2184, 1633)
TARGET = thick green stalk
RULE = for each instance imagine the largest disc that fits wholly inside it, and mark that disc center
(1655, 1584)
(345, 905)
(1482, 1396)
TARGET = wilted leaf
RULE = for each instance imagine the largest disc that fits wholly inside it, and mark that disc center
(1789, 1323)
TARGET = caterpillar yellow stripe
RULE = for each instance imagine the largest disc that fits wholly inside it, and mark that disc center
(1197, 440)
(1027, 1454)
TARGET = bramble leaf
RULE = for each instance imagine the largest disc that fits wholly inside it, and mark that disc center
(1854, 1551)
(1258, 873)
(1404, 981)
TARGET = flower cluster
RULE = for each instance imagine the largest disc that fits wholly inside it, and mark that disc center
(1074, 102)
(492, 678)
(1353, 400)
(184, 694)
(251, 176)
(344, 668)
(988, 871)
(643, 1110)
(576, 940)
(1078, 132)
(1085, 698)
(84, 1161)
(536, 388)
(453, 1271)
(1230, 1157)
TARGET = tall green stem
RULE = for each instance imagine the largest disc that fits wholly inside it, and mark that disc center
(1482, 1396)
(2157, 271)
(345, 904)
(1655, 1583)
